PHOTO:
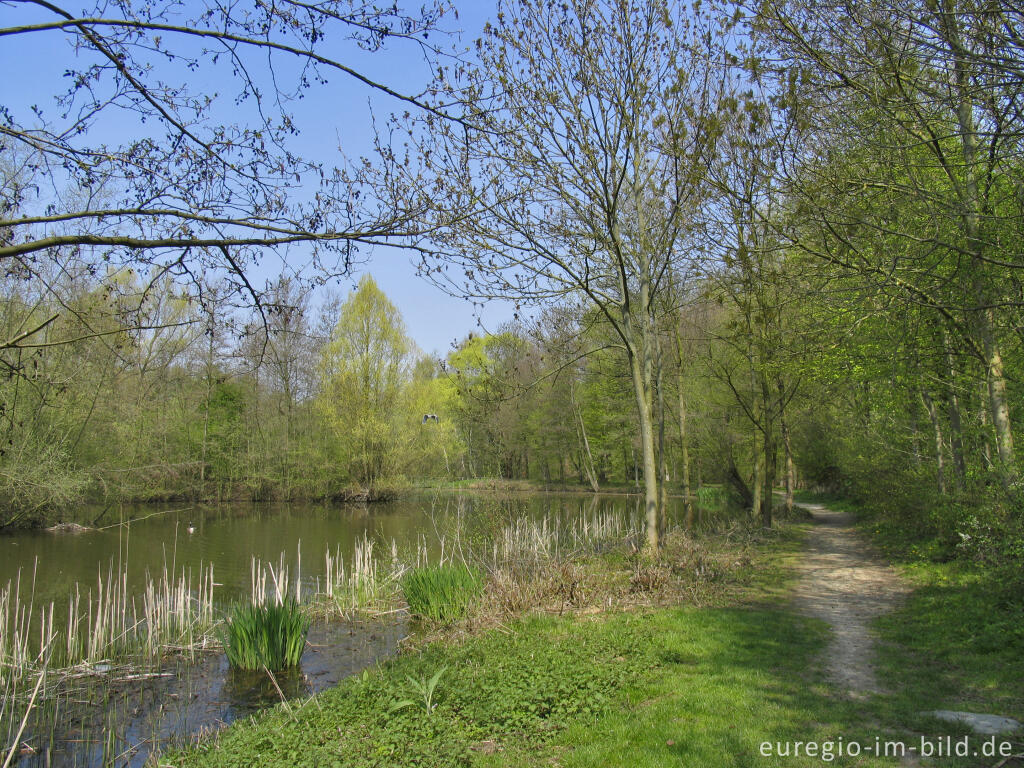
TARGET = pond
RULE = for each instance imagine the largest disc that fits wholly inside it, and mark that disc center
(114, 714)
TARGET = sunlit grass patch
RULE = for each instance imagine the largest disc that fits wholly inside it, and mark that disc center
(441, 592)
(687, 687)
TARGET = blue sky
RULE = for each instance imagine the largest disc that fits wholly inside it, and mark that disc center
(336, 113)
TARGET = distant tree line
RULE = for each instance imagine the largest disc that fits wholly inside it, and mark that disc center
(768, 245)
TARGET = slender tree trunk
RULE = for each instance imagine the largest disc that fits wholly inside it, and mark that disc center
(683, 447)
(770, 471)
(940, 461)
(581, 430)
(770, 455)
(1000, 408)
(755, 485)
(956, 443)
(663, 475)
(790, 466)
(986, 447)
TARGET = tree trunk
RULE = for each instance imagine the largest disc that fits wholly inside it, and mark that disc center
(755, 485)
(999, 408)
(683, 448)
(986, 448)
(581, 432)
(915, 434)
(770, 455)
(641, 379)
(746, 498)
(663, 475)
(956, 443)
(790, 466)
(973, 209)
(770, 471)
(929, 406)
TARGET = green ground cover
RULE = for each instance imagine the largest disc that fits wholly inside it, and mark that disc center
(690, 685)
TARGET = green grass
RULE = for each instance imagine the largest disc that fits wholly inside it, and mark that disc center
(271, 636)
(674, 687)
(441, 593)
(679, 686)
(957, 642)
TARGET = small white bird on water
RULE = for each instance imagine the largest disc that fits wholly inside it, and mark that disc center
(191, 528)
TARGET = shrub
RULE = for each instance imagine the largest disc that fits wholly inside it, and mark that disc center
(709, 497)
(271, 636)
(441, 592)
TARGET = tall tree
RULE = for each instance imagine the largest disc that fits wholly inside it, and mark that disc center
(917, 108)
(363, 370)
(580, 173)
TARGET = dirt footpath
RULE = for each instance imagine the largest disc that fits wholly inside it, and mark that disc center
(844, 584)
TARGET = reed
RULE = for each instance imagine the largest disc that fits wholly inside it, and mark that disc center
(368, 583)
(270, 636)
(528, 542)
(172, 611)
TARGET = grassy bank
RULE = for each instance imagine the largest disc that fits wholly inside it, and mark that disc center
(694, 662)
(601, 645)
(680, 686)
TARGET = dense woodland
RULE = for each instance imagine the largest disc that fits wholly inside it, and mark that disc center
(772, 247)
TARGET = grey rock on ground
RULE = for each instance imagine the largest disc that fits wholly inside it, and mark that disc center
(989, 725)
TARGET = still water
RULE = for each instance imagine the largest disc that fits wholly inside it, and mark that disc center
(146, 539)
(119, 720)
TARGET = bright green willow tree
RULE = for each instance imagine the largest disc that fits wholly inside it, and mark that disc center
(363, 369)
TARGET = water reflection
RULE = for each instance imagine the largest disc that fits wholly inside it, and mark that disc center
(230, 535)
(108, 719)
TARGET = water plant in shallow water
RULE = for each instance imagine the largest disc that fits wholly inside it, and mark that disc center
(271, 636)
(441, 592)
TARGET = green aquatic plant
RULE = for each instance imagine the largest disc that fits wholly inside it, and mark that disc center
(441, 592)
(271, 636)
